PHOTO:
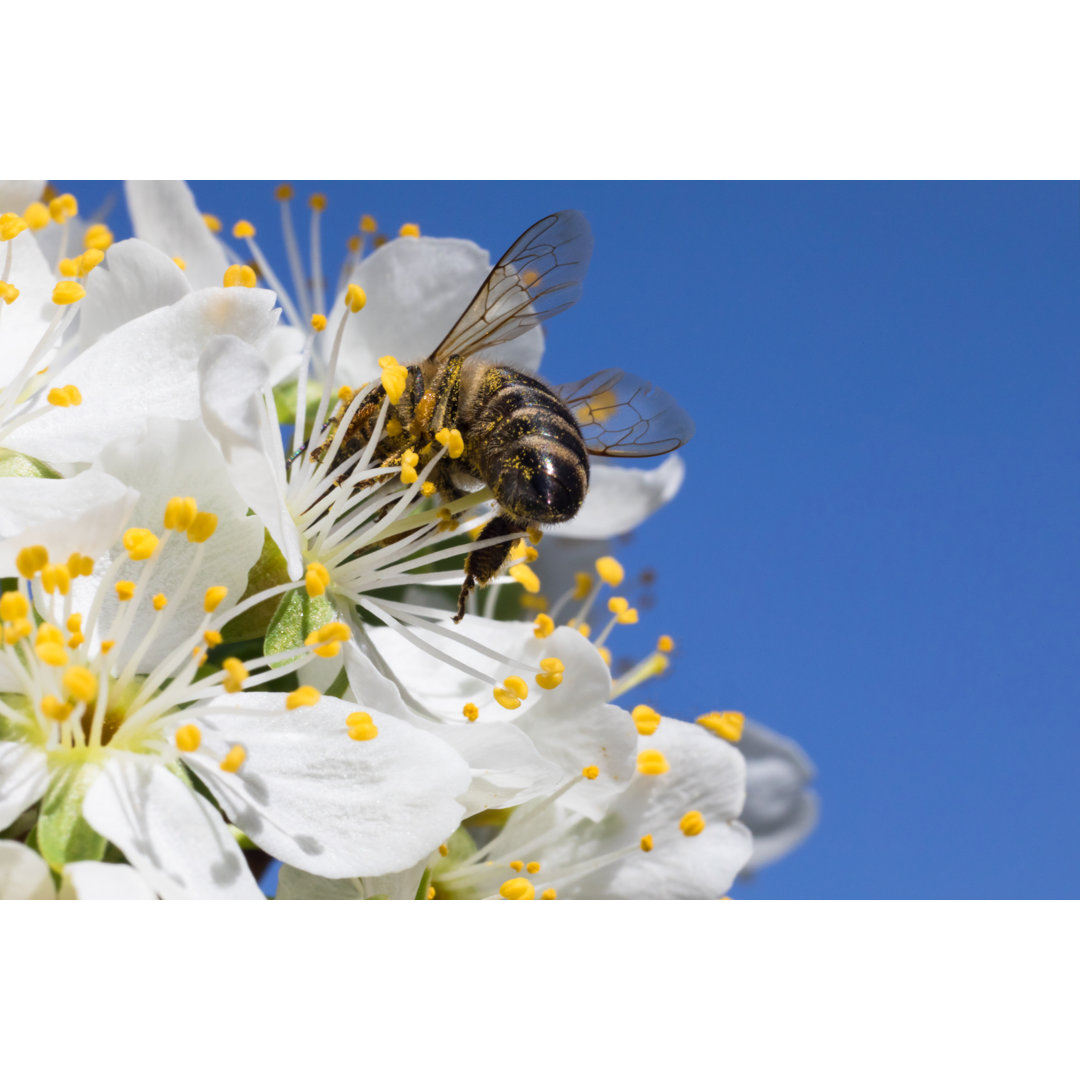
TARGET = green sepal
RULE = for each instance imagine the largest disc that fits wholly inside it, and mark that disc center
(269, 570)
(422, 888)
(63, 835)
(297, 616)
(14, 464)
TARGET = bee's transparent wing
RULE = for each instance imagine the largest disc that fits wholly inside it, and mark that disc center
(621, 415)
(538, 277)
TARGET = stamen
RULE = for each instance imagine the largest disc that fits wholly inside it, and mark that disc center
(610, 570)
(236, 673)
(664, 644)
(188, 738)
(692, 823)
(180, 513)
(470, 712)
(30, 560)
(652, 763)
(125, 590)
(140, 544)
(409, 229)
(8, 293)
(590, 772)
(549, 894)
(64, 396)
(67, 292)
(543, 626)
(647, 720)
(552, 674)
(80, 683)
(214, 595)
(11, 225)
(517, 865)
(202, 528)
(98, 237)
(239, 275)
(37, 216)
(647, 842)
(316, 579)
(361, 726)
(728, 725)
(301, 697)
(236, 757)
(517, 889)
(526, 577)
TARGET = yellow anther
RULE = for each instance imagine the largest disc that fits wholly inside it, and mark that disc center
(317, 202)
(19, 629)
(213, 596)
(728, 725)
(11, 225)
(235, 674)
(107, 647)
(605, 654)
(232, 761)
(531, 554)
(664, 644)
(618, 604)
(80, 565)
(125, 590)
(355, 298)
(517, 865)
(181, 262)
(692, 823)
(63, 207)
(49, 652)
(75, 641)
(328, 638)
(518, 888)
(345, 394)
(180, 512)
(582, 585)
(532, 868)
(427, 489)
(188, 739)
(361, 726)
(199, 654)
(213, 222)
(645, 719)
(534, 534)
(202, 527)
(55, 577)
(552, 673)
(353, 244)
(549, 894)
(80, 683)
(652, 763)
(410, 228)
(431, 892)
(584, 629)
(628, 617)
(8, 293)
(243, 229)
(394, 378)
(452, 440)
(470, 712)
(409, 461)
(140, 544)
(67, 292)
(68, 267)
(212, 638)
(99, 237)
(316, 579)
(55, 709)
(318, 323)
(13, 605)
(543, 626)
(505, 698)
(47, 633)
(31, 559)
(302, 696)
(283, 192)
(368, 224)
(64, 396)
(89, 259)
(444, 850)
(393, 427)
(610, 571)
(646, 842)
(590, 772)
(239, 275)
(517, 685)
(37, 216)
(526, 577)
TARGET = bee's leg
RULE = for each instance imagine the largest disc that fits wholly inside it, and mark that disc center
(482, 565)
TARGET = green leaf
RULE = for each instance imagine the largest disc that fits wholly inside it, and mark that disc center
(297, 616)
(269, 570)
(63, 835)
(13, 464)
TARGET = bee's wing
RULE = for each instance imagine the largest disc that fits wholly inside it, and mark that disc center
(538, 277)
(621, 415)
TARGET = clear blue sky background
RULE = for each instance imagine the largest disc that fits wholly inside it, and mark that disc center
(876, 548)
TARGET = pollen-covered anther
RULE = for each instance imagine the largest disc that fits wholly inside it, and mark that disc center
(37, 216)
(188, 738)
(361, 726)
(99, 237)
(88, 260)
(356, 299)
(13, 605)
(213, 222)
(80, 683)
(316, 579)
(68, 267)
(8, 293)
(532, 868)
(55, 709)
(368, 224)
(430, 892)
(11, 225)
(317, 202)
(202, 527)
(243, 229)
(345, 395)
(512, 693)
(517, 866)
(646, 842)
(125, 590)
(232, 761)
(427, 489)
(180, 261)
(235, 674)
(610, 570)
(552, 673)
(549, 894)
(452, 440)
(64, 396)
(328, 638)
(239, 275)
(692, 823)
(470, 712)
(51, 652)
(410, 228)
(584, 629)
(301, 697)
(444, 850)
(526, 577)
(652, 763)
(80, 565)
(283, 192)
(213, 596)
(212, 638)
(17, 630)
(393, 427)
(63, 207)
(409, 460)
(394, 378)
(665, 644)
(582, 585)
(645, 719)
(620, 607)
(55, 577)
(67, 292)
(31, 559)
(318, 323)
(140, 544)
(590, 772)
(727, 725)
(543, 626)
(180, 513)
(518, 888)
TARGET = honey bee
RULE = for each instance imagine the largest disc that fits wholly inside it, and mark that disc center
(528, 442)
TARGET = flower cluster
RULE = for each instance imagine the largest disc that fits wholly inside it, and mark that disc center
(225, 621)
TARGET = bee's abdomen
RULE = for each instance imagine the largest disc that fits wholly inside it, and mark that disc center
(531, 454)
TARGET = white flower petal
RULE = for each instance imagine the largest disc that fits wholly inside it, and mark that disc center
(103, 881)
(164, 214)
(295, 884)
(283, 352)
(313, 797)
(232, 378)
(24, 874)
(17, 195)
(134, 279)
(24, 777)
(145, 368)
(24, 321)
(173, 837)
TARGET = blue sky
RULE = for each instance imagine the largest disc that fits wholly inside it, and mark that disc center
(875, 551)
